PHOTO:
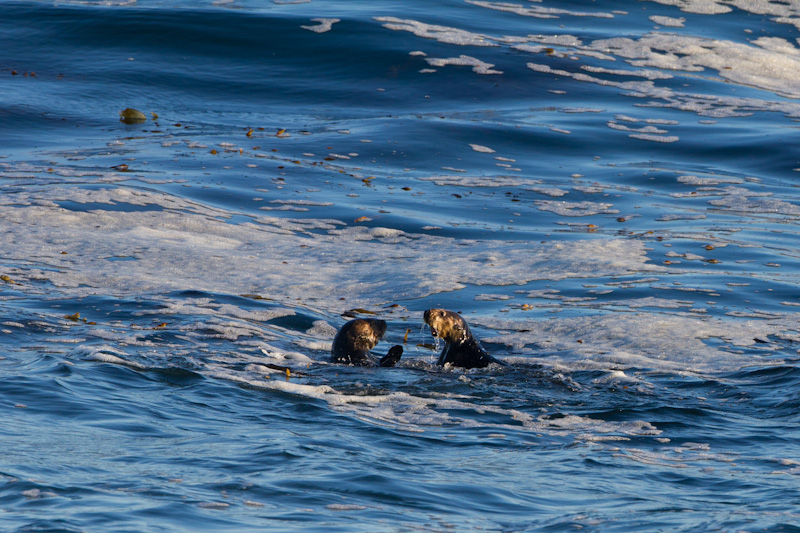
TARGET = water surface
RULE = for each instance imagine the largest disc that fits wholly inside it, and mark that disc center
(607, 193)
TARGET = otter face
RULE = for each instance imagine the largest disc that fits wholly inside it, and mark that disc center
(447, 325)
(364, 333)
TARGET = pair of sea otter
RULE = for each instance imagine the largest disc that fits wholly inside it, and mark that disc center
(354, 341)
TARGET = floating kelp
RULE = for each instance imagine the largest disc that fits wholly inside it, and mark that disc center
(358, 311)
(132, 116)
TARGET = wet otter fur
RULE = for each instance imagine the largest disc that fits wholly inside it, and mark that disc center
(461, 348)
(356, 338)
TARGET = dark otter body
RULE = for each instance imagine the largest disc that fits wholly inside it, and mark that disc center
(356, 338)
(461, 348)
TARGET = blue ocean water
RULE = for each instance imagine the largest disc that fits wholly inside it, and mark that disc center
(606, 192)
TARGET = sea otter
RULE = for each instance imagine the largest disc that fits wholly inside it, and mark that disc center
(461, 348)
(356, 338)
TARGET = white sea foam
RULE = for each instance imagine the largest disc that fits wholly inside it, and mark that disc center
(549, 191)
(740, 199)
(646, 129)
(705, 7)
(417, 413)
(706, 181)
(665, 122)
(671, 22)
(443, 34)
(323, 25)
(770, 63)
(481, 181)
(107, 354)
(655, 138)
(649, 74)
(492, 297)
(575, 209)
(537, 11)
(37, 494)
(766, 63)
(345, 507)
(680, 216)
(478, 66)
(481, 148)
(660, 342)
(183, 245)
(321, 329)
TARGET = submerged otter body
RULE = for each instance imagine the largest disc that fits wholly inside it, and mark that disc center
(461, 348)
(356, 338)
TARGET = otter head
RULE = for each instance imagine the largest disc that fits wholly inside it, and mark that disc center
(355, 339)
(447, 325)
(364, 333)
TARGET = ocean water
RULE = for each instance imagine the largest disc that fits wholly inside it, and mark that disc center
(607, 191)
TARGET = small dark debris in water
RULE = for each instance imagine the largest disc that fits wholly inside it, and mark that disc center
(8, 280)
(281, 368)
(77, 318)
(132, 116)
(121, 168)
(255, 297)
(358, 311)
(427, 345)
